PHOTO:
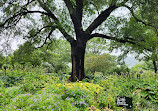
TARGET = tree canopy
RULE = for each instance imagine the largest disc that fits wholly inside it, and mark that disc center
(78, 21)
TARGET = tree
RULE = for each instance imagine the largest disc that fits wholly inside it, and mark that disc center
(101, 63)
(143, 66)
(145, 36)
(96, 46)
(26, 55)
(75, 19)
(56, 56)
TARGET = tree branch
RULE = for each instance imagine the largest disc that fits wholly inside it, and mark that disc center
(118, 40)
(40, 30)
(69, 6)
(65, 34)
(48, 37)
(61, 29)
(112, 38)
(79, 10)
(47, 13)
(73, 14)
(20, 14)
(28, 2)
(101, 18)
(139, 20)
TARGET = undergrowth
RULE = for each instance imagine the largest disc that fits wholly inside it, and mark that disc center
(34, 90)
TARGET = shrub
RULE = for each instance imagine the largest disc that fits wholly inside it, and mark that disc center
(9, 81)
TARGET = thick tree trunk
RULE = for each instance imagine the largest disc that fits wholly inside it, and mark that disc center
(155, 66)
(77, 56)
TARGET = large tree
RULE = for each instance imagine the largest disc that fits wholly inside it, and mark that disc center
(77, 20)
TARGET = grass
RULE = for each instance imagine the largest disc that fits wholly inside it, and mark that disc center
(33, 90)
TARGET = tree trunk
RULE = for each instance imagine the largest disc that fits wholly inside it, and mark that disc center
(77, 56)
(155, 66)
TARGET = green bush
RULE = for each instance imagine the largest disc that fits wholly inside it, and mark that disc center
(9, 81)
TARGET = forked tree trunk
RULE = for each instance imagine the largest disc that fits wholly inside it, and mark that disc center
(77, 56)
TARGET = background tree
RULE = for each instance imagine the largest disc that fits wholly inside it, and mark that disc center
(101, 63)
(78, 21)
(25, 55)
(144, 66)
(96, 46)
(55, 56)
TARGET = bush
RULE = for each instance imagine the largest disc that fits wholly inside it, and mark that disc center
(9, 81)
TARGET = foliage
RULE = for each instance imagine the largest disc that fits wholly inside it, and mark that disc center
(146, 66)
(54, 58)
(121, 69)
(6, 66)
(143, 33)
(38, 91)
(25, 54)
(101, 63)
(9, 81)
(96, 46)
(1, 60)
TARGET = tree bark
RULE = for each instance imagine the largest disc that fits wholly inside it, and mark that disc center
(155, 66)
(77, 56)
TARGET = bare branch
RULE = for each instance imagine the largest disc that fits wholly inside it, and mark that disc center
(101, 18)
